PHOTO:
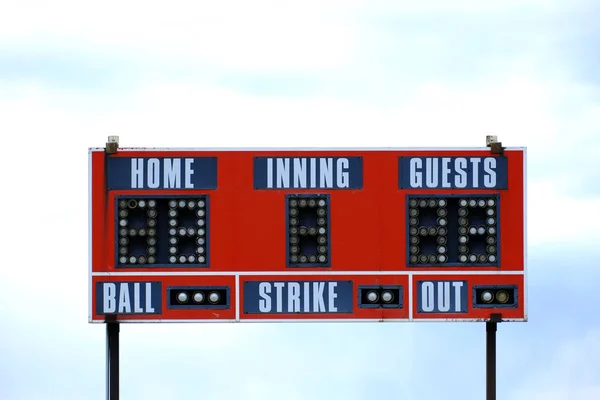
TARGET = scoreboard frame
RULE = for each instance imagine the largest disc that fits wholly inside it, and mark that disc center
(236, 278)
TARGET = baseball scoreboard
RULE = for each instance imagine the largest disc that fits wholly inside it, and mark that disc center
(235, 235)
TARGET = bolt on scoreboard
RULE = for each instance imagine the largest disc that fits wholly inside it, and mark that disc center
(234, 235)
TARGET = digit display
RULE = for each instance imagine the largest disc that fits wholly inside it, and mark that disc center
(162, 231)
(307, 218)
(459, 230)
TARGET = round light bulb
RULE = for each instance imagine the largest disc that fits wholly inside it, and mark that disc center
(372, 296)
(487, 296)
(182, 297)
(214, 297)
(198, 297)
(502, 296)
(387, 296)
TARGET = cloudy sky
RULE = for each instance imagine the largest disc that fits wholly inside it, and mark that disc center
(281, 73)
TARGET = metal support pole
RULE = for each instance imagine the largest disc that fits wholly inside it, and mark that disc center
(491, 327)
(112, 360)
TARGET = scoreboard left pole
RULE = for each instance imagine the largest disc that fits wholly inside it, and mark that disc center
(112, 360)
(112, 325)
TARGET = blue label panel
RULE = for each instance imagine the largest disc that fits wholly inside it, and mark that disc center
(308, 173)
(161, 173)
(128, 298)
(302, 297)
(442, 297)
(453, 172)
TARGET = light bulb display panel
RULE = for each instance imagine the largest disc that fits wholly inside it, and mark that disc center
(457, 230)
(161, 231)
(307, 220)
(307, 234)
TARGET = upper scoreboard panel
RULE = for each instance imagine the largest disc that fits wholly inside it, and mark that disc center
(263, 210)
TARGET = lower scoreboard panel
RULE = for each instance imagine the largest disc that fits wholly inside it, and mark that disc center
(374, 297)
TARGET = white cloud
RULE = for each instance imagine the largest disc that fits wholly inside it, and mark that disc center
(571, 374)
(266, 34)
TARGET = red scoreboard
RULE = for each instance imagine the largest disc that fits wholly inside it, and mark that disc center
(234, 235)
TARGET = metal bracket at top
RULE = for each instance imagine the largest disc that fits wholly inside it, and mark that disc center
(495, 146)
(112, 145)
